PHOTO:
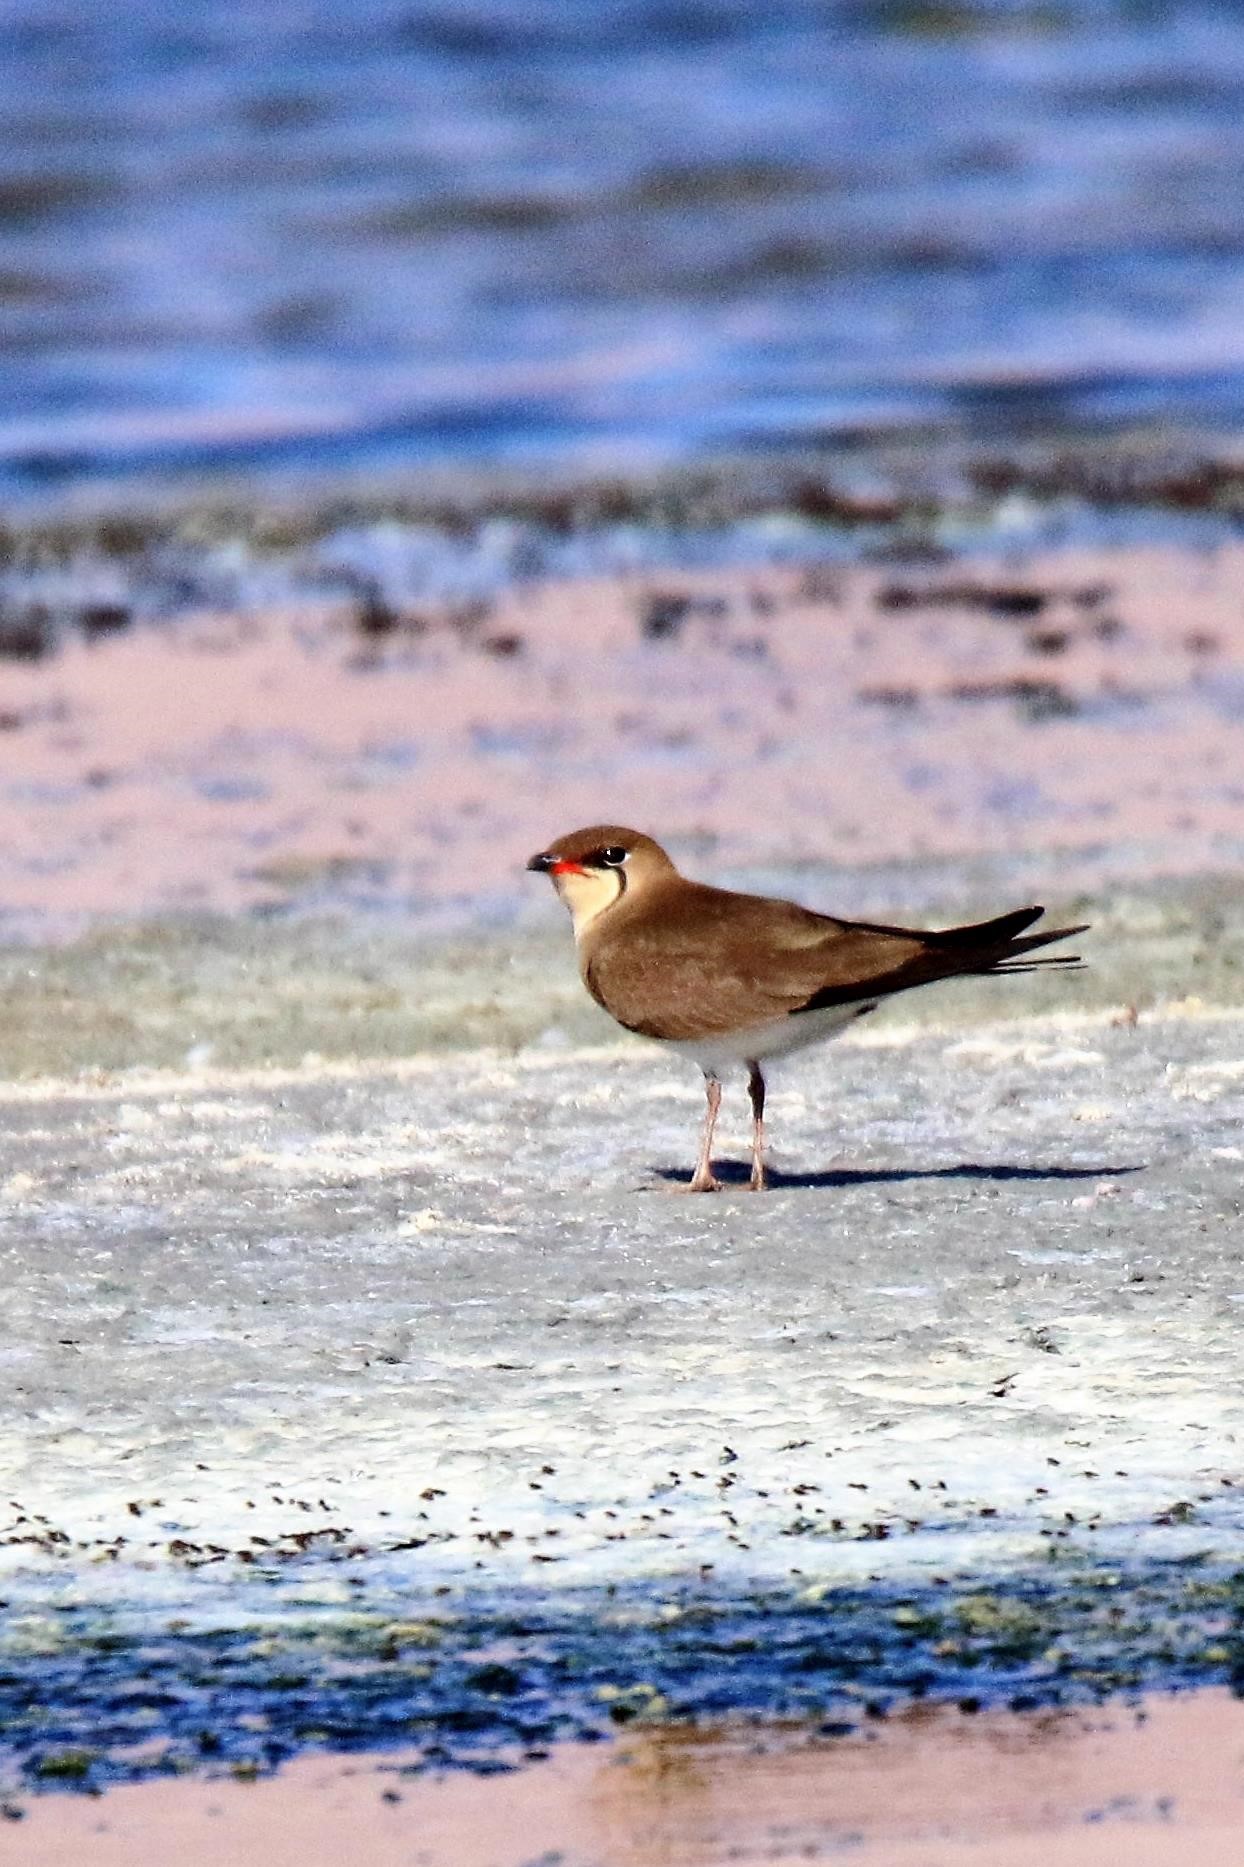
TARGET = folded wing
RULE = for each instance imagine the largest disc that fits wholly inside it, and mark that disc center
(725, 962)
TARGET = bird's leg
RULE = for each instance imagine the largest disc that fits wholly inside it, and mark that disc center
(702, 1180)
(756, 1090)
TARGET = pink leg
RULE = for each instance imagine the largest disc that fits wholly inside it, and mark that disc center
(702, 1180)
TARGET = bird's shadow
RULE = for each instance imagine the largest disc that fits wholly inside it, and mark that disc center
(738, 1173)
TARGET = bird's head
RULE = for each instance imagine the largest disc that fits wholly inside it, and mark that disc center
(594, 868)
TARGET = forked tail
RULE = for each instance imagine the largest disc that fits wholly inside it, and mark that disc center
(1000, 945)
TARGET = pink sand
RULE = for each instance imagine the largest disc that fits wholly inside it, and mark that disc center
(931, 1789)
(219, 763)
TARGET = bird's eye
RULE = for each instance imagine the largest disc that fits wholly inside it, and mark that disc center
(614, 856)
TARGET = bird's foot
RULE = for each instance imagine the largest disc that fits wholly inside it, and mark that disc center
(759, 1182)
(703, 1183)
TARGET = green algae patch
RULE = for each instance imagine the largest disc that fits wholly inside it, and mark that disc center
(65, 1766)
(1002, 1626)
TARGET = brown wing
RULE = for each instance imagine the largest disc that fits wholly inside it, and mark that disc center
(699, 962)
(710, 961)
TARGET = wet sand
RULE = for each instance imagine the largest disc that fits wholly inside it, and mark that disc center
(1154, 1784)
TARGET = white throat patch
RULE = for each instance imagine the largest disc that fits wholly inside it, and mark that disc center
(588, 895)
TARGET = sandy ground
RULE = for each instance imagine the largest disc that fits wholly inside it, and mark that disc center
(1083, 707)
(1154, 1784)
(998, 1283)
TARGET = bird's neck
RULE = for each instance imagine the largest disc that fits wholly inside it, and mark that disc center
(589, 895)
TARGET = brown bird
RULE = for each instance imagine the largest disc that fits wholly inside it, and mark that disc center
(729, 978)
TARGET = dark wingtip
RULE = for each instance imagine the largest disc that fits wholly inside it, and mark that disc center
(1058, 962)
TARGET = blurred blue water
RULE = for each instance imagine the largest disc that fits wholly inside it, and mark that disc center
(267, 234)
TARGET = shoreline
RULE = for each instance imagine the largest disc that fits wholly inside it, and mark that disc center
(907, 478)
(1158, 1778)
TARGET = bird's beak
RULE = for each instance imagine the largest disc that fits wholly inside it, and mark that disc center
(548, 863)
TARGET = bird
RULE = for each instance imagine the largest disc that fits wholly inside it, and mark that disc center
(726, 979)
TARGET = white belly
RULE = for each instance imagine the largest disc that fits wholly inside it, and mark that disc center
(775, 1039)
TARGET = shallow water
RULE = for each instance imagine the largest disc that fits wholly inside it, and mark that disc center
(268, 239)
(93, 1700)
